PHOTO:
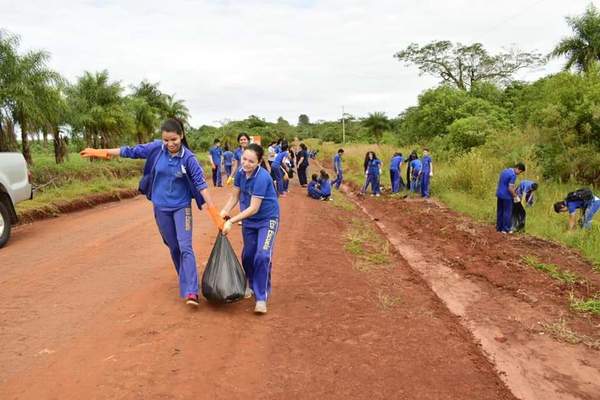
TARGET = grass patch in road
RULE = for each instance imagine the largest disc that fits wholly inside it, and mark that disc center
(386, 300)
(340, 201)
(561, 332)
(369, 248)
(552, 270)
(591, 306)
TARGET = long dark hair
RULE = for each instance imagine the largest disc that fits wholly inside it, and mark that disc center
(366, 164)
(176, 126)
(243, 134)
(257, 149)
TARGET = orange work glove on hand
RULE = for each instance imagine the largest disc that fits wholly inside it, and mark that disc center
(98, 153)
(229, 180)
(215, 217)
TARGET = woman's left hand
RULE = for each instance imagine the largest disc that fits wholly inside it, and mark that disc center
(226, 227)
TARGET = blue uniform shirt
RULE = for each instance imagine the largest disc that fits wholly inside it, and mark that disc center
(216, 153)
(238, 155)
(524, 187)
(395, 163)
(572, 206)
(374, 167)
(277, 149)
(312, 185)
(337, 162)
(228, 158)
(259, 184)
(415, 165)
(507, 177)
(170, 188)
(279, 158)
(326, 187)
(426, 164)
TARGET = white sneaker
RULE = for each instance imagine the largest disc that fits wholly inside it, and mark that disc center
(249, 293)
(261, 307)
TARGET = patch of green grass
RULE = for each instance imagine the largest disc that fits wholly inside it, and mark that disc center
(340, 201)
(552, 270)
(368, 247)
(591, 306)
(561, 332)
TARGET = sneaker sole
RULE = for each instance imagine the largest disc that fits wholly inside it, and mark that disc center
(192, 303)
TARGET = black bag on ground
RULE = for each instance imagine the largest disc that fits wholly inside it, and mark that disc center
(518, 217)
(224, 280)
(583, 194)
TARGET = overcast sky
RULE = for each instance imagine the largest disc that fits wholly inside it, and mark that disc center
(229, 59)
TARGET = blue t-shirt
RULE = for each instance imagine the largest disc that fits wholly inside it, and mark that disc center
(238, 155)
(524, 187)
(325, 187)
(395, 163)
(312, 185)
(572, 206)
(259, 184)
(507, 177)
(170, 189)
(337, 162)
(279, 158)
(215, 153)
(426, 164)
(374, 167)
(415, 165)
(228, 158)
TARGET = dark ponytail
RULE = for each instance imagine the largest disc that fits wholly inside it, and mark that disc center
(175, 125)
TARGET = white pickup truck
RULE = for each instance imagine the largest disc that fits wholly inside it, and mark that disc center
(15, 186)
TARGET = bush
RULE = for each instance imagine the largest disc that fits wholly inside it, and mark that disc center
(469, 132)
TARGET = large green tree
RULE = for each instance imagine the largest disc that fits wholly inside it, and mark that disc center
(376, 123)
(583, 48)
(463, 66)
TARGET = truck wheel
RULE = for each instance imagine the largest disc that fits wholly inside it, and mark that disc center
(4, 224)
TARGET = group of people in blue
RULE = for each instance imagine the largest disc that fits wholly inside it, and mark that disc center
(173, 177)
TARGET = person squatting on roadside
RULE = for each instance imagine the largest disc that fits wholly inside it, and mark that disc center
(172, 177)
(426, 173)
(584, 200)
(506, 195)
(216, 153)
(259, 214)
(337, 168)
(372, 167)
(396, 172)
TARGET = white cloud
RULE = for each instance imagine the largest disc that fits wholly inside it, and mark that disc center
(230, 59)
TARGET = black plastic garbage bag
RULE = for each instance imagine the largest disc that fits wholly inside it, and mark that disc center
(518, 217)
(224, 280)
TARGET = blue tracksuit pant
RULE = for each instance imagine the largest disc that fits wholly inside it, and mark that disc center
(415, 184)
(395, 179)
(503, 214)
(425, 178)
(338, 180)
(278, 175)
(257, 256)
(315, 193)
(591, 209)
(216, 175)
(373, 180)
(228, 170)
(176, 230)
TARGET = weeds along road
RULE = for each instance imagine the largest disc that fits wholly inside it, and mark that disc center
(90, 310)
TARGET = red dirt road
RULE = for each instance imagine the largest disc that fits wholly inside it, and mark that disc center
(90, 310)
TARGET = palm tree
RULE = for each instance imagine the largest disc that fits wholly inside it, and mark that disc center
(176, 109)
(98, 110)
(583, 48)
(376, 123)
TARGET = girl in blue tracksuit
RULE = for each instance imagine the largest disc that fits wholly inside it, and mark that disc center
(415, 174)
(259, 214)
(172, 177)
(426, 173)
(395, 172)
(228, 161)
(337, 168)
(216, 153)
(372, 172)
(324, 185)
(277, 168)
(313, 188)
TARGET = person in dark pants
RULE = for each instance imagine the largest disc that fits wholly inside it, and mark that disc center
(411, 157)
(302, 157)
(506, 195)
(216, 154)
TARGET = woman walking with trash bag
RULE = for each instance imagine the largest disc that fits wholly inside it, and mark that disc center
(259, 213)
(172, 177)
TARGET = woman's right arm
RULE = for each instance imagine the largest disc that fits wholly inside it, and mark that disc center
(100, 153)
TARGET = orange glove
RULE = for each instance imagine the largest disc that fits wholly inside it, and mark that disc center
(229, 180)
(215, 217)
(98, 153)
